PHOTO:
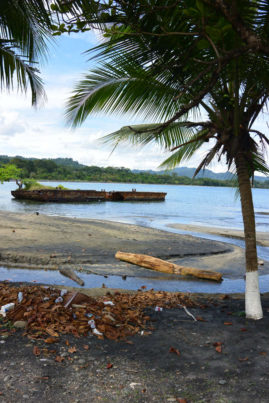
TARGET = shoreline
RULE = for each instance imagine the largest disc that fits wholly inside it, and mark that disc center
(50, 242)
(262, 237)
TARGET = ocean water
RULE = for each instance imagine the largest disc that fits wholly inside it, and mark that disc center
(197, 205)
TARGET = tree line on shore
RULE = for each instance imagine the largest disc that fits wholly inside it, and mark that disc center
(69, 170)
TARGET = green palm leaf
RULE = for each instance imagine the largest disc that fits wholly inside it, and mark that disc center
(24, 33)
(169, 137)
(127, 88)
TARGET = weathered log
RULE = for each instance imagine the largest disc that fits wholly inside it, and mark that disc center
(163, 266)
(72, 275)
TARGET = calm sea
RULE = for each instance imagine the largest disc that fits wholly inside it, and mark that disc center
(207, 206)
(200, 205)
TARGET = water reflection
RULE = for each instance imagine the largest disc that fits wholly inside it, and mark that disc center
(52, 277)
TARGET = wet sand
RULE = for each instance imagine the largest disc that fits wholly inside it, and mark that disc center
(262, 237)
(39, 241)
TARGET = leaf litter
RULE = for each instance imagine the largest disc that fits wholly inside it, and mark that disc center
(115, 317)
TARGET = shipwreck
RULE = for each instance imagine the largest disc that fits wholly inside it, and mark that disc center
(78, 196)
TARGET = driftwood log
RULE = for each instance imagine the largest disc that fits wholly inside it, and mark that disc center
(72, 275)
(163, 266)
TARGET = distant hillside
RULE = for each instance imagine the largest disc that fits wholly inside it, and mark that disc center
(66, 169)
(68, 162)
(207, 173)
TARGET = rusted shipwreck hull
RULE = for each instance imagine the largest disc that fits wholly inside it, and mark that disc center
(135, 196)
(65, 196)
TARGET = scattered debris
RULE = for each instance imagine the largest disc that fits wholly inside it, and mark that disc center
(5, 308)
(20, 297)
(174, 350)
(67, 272)
(134, 384)
(188, 312)
(218, 346)
(42, 316)
(58, 300)
(108, 303)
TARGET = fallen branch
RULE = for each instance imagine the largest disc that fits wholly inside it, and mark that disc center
(188, 312)
(163, 266)
(72, 275)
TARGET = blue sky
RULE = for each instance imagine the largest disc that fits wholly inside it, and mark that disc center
(43, 133)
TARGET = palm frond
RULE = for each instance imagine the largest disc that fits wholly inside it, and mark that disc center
(127, 88)
(183, 153)
(148, 133)
(257, 163)
(24, 34)
(11, 66)
(208, 158)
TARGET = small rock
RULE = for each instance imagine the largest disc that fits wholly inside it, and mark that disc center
(222, 382)
(260, 262)
(20, 324)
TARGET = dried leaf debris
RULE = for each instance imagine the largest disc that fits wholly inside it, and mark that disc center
(74, 313)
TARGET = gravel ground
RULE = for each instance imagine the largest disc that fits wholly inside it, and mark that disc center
(222, 357)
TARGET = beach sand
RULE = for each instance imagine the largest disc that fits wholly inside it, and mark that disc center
(220, 357)
(262, 237)
(39, 241)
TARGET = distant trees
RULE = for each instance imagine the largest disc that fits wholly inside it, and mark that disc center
(72, 171)
(8, 172)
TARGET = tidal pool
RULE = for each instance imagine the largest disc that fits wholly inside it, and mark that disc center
(53, 277)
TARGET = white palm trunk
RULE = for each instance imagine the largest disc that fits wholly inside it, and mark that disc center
(253, 306)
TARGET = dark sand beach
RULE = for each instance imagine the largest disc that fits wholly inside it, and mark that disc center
(220, 357)
(262, 237)
(39, 241)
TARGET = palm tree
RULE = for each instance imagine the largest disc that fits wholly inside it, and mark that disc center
(24, 31)
(172, 79)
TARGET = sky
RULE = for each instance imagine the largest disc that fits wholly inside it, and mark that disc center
(43, 132)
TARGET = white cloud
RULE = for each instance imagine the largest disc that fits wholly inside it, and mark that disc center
(11, 124)
(42, 132)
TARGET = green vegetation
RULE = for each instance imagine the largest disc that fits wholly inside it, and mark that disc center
(30, 184)
(65, 169)
(8, 172)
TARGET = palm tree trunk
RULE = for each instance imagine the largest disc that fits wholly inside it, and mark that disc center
(253, 306)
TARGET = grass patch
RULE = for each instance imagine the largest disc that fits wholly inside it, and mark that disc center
(33, 185)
